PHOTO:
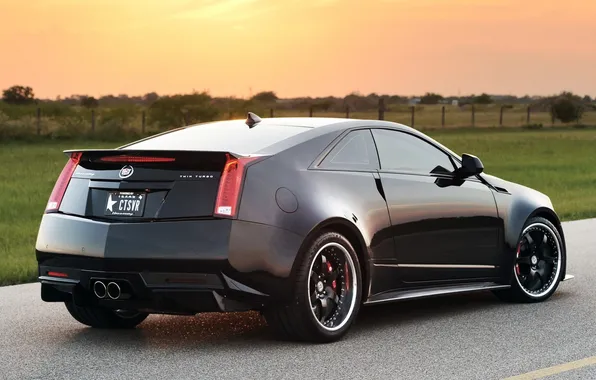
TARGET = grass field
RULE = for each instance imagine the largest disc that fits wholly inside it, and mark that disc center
(430, 116)
(559, 162)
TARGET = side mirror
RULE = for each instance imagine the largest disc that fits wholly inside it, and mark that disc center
(470, 166)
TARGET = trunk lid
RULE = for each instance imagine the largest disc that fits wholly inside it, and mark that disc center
(144, 185)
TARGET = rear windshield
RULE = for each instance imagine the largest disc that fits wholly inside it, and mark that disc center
(229, 136)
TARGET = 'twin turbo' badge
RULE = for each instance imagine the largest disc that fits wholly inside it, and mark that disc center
(126, 171)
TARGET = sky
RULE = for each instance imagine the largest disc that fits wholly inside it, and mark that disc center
(298, 47)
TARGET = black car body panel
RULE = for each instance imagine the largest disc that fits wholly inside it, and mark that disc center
(516, 204)
(412, 230)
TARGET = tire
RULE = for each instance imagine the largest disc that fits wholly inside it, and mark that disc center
(540, 263)
(327, 288)
(103, 318)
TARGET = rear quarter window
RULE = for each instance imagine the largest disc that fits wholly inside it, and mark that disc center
(356, 151)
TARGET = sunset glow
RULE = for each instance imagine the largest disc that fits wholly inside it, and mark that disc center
(298, 47)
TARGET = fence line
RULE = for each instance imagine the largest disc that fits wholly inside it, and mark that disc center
(418, 116)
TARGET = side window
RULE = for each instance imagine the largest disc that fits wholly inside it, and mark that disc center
(404, 152)
(356, 151)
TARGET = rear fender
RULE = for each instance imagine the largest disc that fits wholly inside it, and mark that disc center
(350, 231)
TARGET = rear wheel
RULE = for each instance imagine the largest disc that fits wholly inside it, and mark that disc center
(539, 263)
(327, 293)
(103, 318)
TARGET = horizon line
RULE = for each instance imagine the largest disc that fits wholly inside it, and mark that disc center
(61, 97)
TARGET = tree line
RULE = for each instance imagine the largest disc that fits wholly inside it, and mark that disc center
(184, 109)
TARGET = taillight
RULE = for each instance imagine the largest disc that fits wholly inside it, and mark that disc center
(57, 274)
(62, 182)
(228, 194)
(136, 159)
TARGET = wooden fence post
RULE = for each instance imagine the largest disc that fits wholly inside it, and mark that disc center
(413, 122)
(92, 121)
(381, 109)
(528, 116)
(143, 122)
(347, 112)
(501, 116)
(310, 111)
(443, 117)
(271, 112)
(473, 115)
(38, 121)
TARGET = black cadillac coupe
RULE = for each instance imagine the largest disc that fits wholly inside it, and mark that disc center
(303, 219)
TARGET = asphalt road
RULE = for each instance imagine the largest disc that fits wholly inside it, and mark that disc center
(460, 337)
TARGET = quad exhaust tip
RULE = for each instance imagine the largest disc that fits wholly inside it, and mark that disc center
(100, 290)
(113, 290)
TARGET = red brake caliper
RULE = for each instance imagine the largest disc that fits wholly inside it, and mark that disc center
(329, 269)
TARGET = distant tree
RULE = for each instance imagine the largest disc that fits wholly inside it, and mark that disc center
(265, 97)
(150, 98)
(567, 107)
(396, 99)
(18, 95)
(108, 100)
(352, 100)
(323, 104)
(483, 99)
(89, 102)
(180, 110)
(431, 98)
(358, 102)
(587, 99)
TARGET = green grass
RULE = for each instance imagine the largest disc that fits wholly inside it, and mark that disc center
(559, 162)
(28, 172)
(430, 116)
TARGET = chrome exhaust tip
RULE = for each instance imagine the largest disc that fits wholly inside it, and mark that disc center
(100, 290)
(113, 290)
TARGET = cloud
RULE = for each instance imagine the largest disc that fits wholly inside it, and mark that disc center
(231, 9)
(240, 9)
(323, 3)
(313, 3)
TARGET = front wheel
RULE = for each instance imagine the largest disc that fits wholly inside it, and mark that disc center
(539, 263)
(327, 293)
(103, 318)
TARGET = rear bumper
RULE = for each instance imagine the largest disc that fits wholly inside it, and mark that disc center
(157, 292)
(169, 264)
(248, 247)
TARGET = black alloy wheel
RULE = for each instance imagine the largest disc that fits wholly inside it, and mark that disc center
(539, 263)
(332, 286)
(327, 293)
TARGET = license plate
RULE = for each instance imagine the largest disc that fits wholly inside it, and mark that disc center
(125, 204)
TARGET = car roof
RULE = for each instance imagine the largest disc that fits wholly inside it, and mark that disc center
(305, 128)
(305, 122)
(335, 123)
(330, 123)
(236, 136)
(317, 122)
